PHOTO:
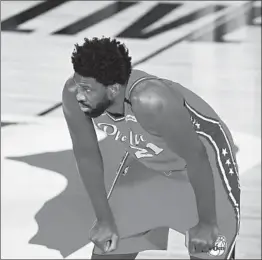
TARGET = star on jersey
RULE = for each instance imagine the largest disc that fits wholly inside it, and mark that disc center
(197, 125)
(211, 129)
(231, 171)
(225, 159)
(228, 162)
(194, 122)
(224, 151)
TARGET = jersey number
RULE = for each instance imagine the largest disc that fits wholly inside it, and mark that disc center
(143, 153)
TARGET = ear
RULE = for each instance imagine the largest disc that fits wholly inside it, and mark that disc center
(114, 90)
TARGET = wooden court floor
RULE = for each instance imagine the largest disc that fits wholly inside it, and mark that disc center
(35, 66)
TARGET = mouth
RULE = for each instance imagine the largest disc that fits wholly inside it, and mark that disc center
(84, 107)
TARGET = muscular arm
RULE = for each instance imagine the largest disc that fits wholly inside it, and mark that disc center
(87, 154)
(160, 111)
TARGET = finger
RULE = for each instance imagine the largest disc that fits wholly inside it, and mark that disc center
(205, 248)
(198, 248)
(201, 247)
(113, 244)
(93, 240)
(107, 246)
(191, 247)
(211, 244)
(187, 239)
(195, 245)
(100, 246)
(97, 241)
(103, 244)
(94, 236)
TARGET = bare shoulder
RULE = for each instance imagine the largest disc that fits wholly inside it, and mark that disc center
(68, 93)
(154, 97)
(69, 101)
(69, 85)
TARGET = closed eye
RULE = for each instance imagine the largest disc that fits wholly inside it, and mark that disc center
(87, 89)
(84, 87)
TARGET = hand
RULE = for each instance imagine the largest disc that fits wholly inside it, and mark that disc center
(201, 238)
(104, 235)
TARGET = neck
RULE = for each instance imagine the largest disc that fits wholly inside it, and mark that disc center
(118, 107)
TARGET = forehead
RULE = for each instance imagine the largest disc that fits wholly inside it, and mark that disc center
(86, 81)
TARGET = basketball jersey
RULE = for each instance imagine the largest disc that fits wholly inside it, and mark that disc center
(151, 150)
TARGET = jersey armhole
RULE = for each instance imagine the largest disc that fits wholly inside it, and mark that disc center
(135, 84)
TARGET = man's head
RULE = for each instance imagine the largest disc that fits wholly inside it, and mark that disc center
(102, 67)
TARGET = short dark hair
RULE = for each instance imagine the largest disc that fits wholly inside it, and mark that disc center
(105, 59)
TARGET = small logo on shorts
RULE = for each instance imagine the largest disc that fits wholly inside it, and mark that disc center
(220, 247)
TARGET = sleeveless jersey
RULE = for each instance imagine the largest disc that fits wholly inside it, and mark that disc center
(152, 150)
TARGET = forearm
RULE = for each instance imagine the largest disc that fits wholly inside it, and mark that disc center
(92, 176)
(202, 181)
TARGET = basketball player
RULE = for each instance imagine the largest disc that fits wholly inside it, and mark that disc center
(173, 134)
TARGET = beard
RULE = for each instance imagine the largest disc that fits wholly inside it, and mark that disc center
(100, 108)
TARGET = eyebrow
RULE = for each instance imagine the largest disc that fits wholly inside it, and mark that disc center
(85, 85)
(82, 84)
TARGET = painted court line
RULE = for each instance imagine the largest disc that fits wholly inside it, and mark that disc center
(207, 25)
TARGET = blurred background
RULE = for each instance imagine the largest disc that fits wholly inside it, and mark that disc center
(210, 47)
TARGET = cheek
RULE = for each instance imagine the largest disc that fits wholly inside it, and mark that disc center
(96, 98)
(92, 98)
(102, 98)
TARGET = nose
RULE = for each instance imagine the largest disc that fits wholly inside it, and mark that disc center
(80, 97)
